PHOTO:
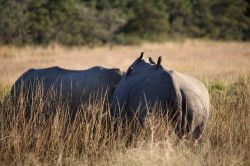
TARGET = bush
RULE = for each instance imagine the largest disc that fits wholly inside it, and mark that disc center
(74, 22)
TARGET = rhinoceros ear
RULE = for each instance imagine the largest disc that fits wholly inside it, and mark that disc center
(158, 62)
(151, 60)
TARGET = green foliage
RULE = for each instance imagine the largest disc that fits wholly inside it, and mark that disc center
(180, 16)
(74, 22)
(12, 22)
(229, 19)
(150, 18)
(217, 86)
(4, 90)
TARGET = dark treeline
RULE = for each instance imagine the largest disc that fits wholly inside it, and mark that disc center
(78, 22)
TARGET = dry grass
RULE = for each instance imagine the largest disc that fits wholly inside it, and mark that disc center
(93, 140)
(208, 60)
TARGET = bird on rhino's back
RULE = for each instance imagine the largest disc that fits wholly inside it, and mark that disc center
(184, 98)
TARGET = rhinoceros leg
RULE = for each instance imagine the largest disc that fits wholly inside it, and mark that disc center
(184, 118)
(193, 119)
(196, 134)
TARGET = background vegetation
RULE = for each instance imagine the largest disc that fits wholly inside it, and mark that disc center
(91, 22)
(92, 140)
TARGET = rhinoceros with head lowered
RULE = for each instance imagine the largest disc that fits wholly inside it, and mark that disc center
(73, 86)
(184, 99)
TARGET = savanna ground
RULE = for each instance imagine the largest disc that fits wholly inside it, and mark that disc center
(224, 67)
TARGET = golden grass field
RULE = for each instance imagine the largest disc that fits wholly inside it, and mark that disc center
(208, 60)
(224, 67)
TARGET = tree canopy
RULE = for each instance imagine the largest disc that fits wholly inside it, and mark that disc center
(80, 22)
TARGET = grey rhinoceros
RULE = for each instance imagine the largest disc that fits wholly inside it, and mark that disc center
(184, 99)
(73, 86)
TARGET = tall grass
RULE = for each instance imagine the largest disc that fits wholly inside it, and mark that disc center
(202, 59)
(93, 138)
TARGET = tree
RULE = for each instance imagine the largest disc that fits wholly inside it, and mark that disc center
(229, 19)
(180, 16)
(13, 19)
(150, 18)
(247, 30)
(74, 22)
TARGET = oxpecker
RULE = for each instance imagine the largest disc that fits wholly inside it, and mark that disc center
(140, 58)
(158, 62)
(151, 60)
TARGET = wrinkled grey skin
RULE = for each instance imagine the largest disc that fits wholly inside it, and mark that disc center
(185, 99)
(73, 86)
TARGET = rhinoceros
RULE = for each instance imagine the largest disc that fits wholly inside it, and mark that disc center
(74, 86)
(184, 98)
